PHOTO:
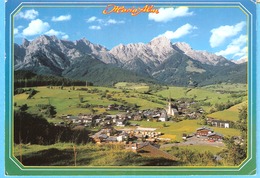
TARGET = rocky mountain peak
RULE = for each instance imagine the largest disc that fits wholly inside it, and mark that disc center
(240, 61)
(182, 46)
(25, 43)
(82, 41)
(161, 41)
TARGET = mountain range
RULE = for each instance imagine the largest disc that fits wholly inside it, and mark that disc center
(158, 61)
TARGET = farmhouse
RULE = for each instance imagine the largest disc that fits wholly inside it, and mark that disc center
(203, 131)
(120, 122)
(215, 136)
(218, 123)
(163, 117)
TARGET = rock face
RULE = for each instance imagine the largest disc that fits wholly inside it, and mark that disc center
(202, 56)
(156, 51)
(159, 59)
(240, 61)
(51, 52)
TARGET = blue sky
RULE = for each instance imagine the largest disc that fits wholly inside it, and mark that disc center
(222, 31)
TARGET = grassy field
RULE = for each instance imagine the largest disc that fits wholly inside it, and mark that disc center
(174, 130)
(200, 149)
(66, 101)
(238, 87)
(230, 114)
(62, 154)
(139, 87)
(206, 94)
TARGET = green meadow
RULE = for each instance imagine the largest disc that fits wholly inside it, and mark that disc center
(198, 148)
(63, 154)
(174, 130)
(69, 100)
(230, 114)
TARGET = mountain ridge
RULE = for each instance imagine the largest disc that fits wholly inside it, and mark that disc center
(159, 59)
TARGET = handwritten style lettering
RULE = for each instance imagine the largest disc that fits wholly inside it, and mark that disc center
(134, 11)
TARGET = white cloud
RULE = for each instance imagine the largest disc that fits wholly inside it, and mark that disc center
(103, 22)
(57, 33)
(113, 21)
(94, 27)
(236, 48)
(242, 53)
(91, 19)
(54, 33)
(167, 14)
(65, 37)
(220, 34)
(20, 27)
(28, 14)
(16, 31)
(36, 27)
(61, 18)
(180, 32)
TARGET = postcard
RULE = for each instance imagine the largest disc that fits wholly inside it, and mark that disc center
(130, 88)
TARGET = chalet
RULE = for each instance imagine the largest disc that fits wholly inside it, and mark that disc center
(112, 107)
(120, 122)
(203, 131)
(215, 136)
(107, 121)
(137, 118)
(163, 117)
(218, 123)
(84, 116)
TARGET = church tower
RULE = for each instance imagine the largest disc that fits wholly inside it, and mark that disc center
(170, 110)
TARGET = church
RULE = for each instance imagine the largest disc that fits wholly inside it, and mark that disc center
(172, 110)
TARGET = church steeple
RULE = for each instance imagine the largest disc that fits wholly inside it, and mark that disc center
(170, 110)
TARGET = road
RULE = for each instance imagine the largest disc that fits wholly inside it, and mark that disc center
(196, 141)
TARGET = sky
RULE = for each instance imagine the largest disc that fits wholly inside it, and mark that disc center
(221, 30)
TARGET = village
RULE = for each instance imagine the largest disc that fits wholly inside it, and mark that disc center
(118, 128)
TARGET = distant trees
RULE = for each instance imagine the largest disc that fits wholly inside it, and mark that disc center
(24, 79)
(223, 106)
(35, 129)
(47, 109)
(236, 151)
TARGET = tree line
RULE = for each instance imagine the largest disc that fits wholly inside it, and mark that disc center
(34, 129)
(23, 79)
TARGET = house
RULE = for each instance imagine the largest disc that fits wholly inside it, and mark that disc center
(120, 122)
(218, 123)
(163, 117)
(84, 116)
(137, 118)
(215, 136)
(112, 107)
(203, 131)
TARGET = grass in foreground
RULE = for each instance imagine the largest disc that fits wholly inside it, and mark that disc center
(87, 155)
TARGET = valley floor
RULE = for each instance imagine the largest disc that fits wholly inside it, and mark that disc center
(127, 106)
